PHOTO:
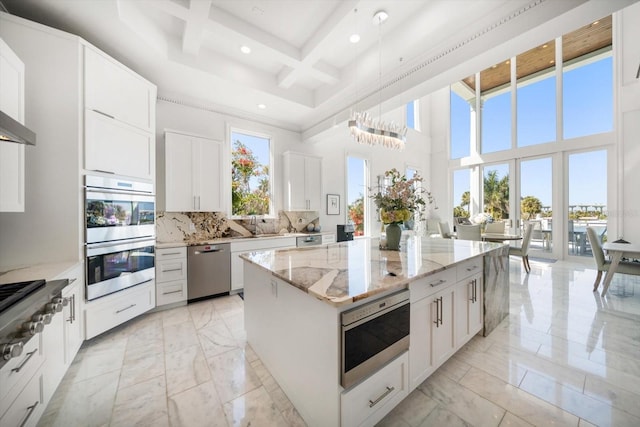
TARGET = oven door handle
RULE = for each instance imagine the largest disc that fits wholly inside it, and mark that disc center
(127, 244)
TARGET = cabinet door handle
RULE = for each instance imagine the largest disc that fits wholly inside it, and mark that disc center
(437, 313)
(438, 283)
(31, 409)
(373, 403)
(104, 114)
(125, 309)
(24, 362)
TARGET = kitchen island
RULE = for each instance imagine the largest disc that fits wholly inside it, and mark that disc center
(294, 299)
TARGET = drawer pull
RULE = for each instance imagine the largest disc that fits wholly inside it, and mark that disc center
(104, 114)
(170, 253)
(125, 309)
(179, 291)
(438, 283)
(172, 269)
(373, 403)
(473, 267)
(31, 409)
(24, 362)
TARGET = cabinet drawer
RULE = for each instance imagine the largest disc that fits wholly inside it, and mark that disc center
(17, 371)
(431, 284)
(368, 402)
(113, 310)
(171, 253)
(469, 267)
(328, 238)
(28, 406)
(173, 269)
(170, 292)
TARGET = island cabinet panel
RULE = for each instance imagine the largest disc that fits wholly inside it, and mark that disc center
(468, 309)
(297, 339)
(368, 402)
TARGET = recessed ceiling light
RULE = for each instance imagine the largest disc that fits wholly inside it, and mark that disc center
(355, 38)
(261, 106)
(245, 49)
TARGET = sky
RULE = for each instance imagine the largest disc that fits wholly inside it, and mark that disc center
(587, 109)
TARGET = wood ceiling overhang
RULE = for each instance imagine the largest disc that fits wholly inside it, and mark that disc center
(583, 41)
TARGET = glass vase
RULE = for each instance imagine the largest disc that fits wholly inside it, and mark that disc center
(394, 232)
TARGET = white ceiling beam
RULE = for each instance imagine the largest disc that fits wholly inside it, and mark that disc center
(194, 26)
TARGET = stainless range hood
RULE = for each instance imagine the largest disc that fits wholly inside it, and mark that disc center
(14, 131)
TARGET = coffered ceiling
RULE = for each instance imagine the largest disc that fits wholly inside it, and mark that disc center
(301, 67)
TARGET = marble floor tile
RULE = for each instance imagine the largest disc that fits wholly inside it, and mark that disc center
(564, 356)
(142, 404)
(185, 369)
(232, 375)
(254, 408)
(197, 406)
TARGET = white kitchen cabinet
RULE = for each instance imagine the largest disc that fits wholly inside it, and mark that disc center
(253, 244)
(28, 406)
(302, 181)
(468, 300)
(118, 148)
(112, 310)
(17, 372)
(53, 347)
(171, 276)
(73, 328)
(368, 402)
(117, 92)
(194, 174)
(12, 172)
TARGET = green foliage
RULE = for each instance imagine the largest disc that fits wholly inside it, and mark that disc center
(244, 168)
(496, 195)
(356, 214)
(530, 205)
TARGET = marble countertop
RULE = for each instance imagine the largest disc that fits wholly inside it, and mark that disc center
(165, 245)
(347, 272)
(47, 271)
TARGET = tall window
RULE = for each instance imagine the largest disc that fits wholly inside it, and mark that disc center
(462, 99)
(496, 107)
(536, 95)
(413, 111)
(251, 176)
(461, 193)
(587, 80)
(357, 184)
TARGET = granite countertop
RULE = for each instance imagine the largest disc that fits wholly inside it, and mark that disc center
(164, 245)
(347, 272)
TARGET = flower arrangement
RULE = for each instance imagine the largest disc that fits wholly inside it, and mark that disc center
(403, 197)
(482, 218)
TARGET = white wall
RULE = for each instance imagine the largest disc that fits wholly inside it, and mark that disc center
(333, 147)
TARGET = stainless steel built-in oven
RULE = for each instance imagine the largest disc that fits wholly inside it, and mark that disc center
(372, 335)
(119, 235)
(117, 209)
(113, 267)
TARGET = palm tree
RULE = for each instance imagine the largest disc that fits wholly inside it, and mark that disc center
(496, 195)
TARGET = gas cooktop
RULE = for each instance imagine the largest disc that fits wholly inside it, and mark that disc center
(11, 293)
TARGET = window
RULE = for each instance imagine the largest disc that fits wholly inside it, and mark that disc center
(461, 193)
(251, 176)
(495, 97)
(587, 80)
(462, 99)
(357, 184)
(413, 115)
(536, 95)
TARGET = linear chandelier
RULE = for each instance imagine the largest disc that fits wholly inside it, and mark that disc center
(363, 128)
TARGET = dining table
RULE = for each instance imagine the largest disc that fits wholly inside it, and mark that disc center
(500, 237)
(617, 251)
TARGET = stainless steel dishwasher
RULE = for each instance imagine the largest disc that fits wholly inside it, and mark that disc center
(208, 271)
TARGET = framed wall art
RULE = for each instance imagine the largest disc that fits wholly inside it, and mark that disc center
(333, 204)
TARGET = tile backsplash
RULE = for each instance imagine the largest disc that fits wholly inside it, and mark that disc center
(191, 227)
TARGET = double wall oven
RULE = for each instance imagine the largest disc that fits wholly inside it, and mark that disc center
(119, 233)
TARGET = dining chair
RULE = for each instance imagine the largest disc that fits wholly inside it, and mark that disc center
(523, 249)
(468, 232)
(495, 227)
(602, 264)
(444, 229)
